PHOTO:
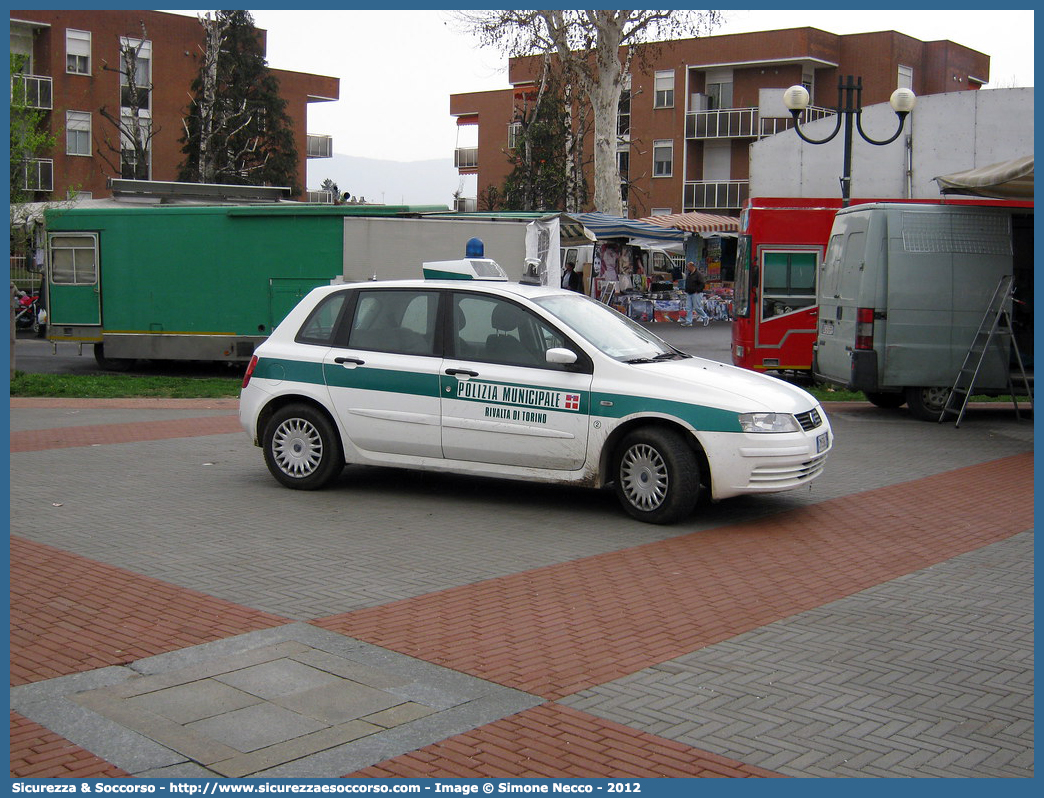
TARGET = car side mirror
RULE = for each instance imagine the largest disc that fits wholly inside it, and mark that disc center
(561, 356)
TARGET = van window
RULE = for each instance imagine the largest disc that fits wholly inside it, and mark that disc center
(741, 293)
(853, 254)
(788, 282)
(830, 271)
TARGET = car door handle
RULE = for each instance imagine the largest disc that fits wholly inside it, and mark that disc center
(465, 372)
(354, 361)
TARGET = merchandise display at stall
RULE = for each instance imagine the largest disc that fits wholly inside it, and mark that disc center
(669, 306)
(622, 281)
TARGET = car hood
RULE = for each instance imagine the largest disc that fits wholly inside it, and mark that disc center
(712, 384)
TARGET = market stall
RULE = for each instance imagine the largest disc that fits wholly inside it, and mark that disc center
(711, 245)
(635, 265)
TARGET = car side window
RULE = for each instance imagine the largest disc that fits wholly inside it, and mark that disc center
(321, 324)
(491, 329)
(395, 320)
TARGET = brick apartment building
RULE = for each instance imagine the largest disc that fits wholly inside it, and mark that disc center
(73, 71)
(690, 116)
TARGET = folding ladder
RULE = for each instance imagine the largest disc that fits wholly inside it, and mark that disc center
(995, 322)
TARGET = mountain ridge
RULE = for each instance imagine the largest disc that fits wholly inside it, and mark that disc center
(427, 182)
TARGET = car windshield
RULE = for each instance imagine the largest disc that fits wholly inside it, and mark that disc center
(611, 332)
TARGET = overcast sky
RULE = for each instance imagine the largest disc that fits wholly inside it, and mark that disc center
(399, 68)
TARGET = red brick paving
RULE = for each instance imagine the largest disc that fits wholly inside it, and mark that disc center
(553, 631)
(38, 753)
(70, 614)
(97, 434)
(559, 742)
(558, 630)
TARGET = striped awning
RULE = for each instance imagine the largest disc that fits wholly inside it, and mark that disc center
(603, 226)
(1006, 180)
(703, 224)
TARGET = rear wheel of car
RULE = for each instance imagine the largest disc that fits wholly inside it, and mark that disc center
(302, 448)
(657, 476)
(887, 401)
(926, 404)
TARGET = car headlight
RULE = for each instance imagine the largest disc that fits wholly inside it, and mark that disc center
(768, 422)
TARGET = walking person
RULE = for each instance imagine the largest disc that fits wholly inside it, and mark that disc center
(694, 285)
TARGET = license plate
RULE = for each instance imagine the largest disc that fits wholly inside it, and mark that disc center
(822, 442)
(828, 328)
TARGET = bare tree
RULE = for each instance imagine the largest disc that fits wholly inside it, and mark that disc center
(596, 48)
(129, 154)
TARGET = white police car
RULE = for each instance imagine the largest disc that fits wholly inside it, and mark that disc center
(472, 374)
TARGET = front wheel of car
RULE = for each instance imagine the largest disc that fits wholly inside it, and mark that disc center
(657, 476)
(302, 448)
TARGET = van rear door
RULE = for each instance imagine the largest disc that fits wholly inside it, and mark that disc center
(837, 294)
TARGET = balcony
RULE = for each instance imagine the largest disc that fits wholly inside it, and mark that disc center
(465, 158)
(36, 89)
(711, 195)
(320, 146)
(735, 123)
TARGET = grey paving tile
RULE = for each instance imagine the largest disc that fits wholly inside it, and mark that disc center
(277, 679)
(256, 727)
(339, 702)
(893, 699)
(184, 718)
(193, 701)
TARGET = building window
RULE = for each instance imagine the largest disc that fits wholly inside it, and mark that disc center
(135, 73)
(22, 49)
(134, 160)
(664, 89)
(623, 113)
(514, 132)
(719, 89)
(623, 165)
(663, 158)
(77, 51)
(77, 133)
(39, 174)
(720, 95)
(32, 91)
(905, 79)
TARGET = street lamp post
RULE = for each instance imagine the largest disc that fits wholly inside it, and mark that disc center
(849, 105)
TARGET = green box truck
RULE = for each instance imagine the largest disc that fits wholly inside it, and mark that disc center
(209, 282)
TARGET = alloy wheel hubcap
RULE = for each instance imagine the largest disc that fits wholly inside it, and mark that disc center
(297, 447)
(643, 476)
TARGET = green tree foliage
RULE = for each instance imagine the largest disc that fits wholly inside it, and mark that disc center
(30, 137)
(237, 129)
(540, 158)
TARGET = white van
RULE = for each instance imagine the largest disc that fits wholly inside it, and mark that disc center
(903, 289)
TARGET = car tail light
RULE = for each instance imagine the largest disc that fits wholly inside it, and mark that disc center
(864, 332)
(250, 370)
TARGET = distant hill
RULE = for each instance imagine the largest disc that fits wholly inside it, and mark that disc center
(389, 182)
